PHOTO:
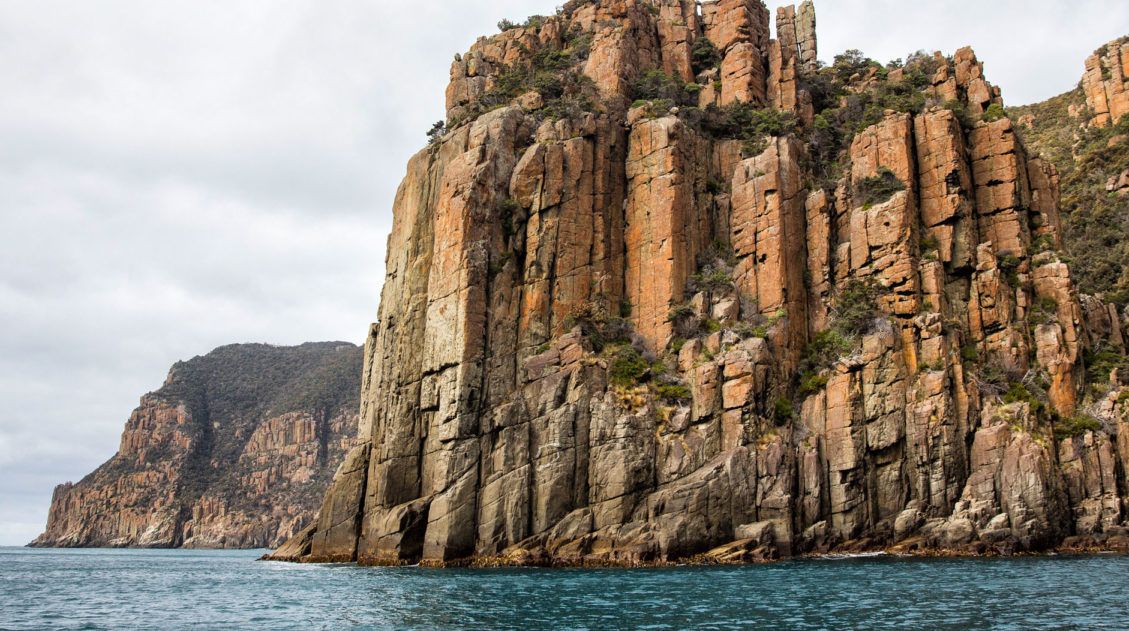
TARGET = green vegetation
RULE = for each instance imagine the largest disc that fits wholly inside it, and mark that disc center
(704, 55)
(533, 21)
(673, 392)
(994, 113)
(658, 87)
(1076, 426)
(511, 216)
(627, 367)
(811, 384)
(854, 313)
(748, 123)
(711, 279)
(1044, 311)
(600, 329)
(878, 189)
(1020, 392)
(1009, 264)
(436, 133)
(783, 412)
(843, 110)
(551, 72)
(1101, 361)
(1095, 221)
(961, 111)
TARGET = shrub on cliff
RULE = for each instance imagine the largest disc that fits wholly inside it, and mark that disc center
(1076, 426)
(436, 133)
(627, 367)
(552, 72)
(783, 412)
(855, 308)
(656, 85)
(878, 189)
(704, 55)
(597, 326)
(994, 113)
(673, 392)
(854, 313)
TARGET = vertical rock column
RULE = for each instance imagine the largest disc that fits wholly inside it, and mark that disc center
(769, 238)
(1106, 83)
(946, 188)
(999, 172)
(664, 230)
(740, 30)
(678, 26)
(884, 236)
(569, 183)
(806, 38)
(783, 61)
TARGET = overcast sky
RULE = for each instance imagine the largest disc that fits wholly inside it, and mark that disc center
(180, 174)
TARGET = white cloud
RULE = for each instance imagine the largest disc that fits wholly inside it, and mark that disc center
(183, 174)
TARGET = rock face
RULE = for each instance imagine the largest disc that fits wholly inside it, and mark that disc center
(620, 329)
(234, 451)
(1106, 83)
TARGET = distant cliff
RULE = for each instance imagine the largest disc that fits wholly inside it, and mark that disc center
(234, 451)
(664, 287)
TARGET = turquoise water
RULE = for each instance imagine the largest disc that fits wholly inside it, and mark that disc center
(157, 589)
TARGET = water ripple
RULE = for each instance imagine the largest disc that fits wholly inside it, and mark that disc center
(135, 589)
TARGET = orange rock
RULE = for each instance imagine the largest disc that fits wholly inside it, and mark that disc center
(1106, 83)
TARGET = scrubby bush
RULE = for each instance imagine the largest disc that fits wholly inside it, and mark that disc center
(1076, 426)
(712, 279)
(1101, 361)
(994, 113)
(627, 367)
(552, 73)
(597, 326)
(878, 189)
(704, 55)
(673, 392)
(747, 122)
(811, 383)
(783, 412)
(436, 133)
(656, 85)
(854, 313)
(1019, 392)
(855, 307)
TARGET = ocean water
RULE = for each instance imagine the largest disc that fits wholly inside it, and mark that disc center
(167, 589)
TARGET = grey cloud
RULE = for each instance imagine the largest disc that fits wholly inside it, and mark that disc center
(183, 174)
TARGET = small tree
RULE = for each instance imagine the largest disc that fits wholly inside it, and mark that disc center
(994, 113)
(704, 55)
(437, 131)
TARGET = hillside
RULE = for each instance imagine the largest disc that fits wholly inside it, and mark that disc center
(233, 451)
(1090, 148)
